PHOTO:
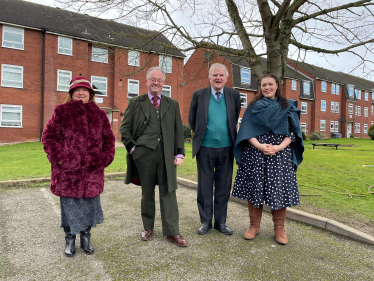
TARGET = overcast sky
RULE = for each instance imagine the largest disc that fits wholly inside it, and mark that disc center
(344, 62)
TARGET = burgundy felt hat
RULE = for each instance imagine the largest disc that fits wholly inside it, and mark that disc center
(80, 81)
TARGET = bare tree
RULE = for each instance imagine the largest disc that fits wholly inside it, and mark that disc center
(252, 29)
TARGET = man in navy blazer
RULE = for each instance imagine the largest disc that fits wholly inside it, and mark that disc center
(213, 117)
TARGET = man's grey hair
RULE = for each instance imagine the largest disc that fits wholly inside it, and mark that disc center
(156, 68)
(214, 66)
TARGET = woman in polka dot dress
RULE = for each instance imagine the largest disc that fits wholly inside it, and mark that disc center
(268, 149)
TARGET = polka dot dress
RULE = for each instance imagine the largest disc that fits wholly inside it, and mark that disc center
(269, 178)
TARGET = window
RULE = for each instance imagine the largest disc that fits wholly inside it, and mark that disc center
(166, 91)
(323, 105)
(304, 107)
(336, 107)
(13, 37)
(11, 115)
(133, 88)
(337, 89)
(336, 126)
(11, 76)
(366, 112)
(350, 108)
(357, 127)
(165, 63)
(322, 125)
(245, 75)
(65, 46)
(243, 100)
(323, 86)
(333, 88)
(366, 96)
(332, 107)
(365, 128)
(306, 88)
(100, 85)
(99, 54)
(303, 127)
(372, 110)
(332, 126)
(134, 58)
(358, 110)
(359, 94)
(372, 97)
(63, 80)
(350, 91)
(294, 85)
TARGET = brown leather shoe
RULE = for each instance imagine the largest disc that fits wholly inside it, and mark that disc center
(178, 240)
(146, 234)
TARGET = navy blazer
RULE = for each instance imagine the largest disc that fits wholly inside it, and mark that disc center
(198, 115)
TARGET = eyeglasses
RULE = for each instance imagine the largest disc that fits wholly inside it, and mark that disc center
(154, 80)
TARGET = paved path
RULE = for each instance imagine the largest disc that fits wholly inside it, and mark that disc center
(31, 244)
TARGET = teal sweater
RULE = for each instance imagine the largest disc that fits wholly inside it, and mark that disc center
(217, 132)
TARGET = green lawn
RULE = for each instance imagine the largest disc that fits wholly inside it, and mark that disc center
(330, 181)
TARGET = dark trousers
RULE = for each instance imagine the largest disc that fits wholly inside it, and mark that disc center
(151, 167)
(214, 166)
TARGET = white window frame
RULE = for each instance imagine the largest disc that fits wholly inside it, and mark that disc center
(323, 86)
(332, 107)
(306, 93)
(4, 81)
(133, 58)
(350, 91)
(166, 63)
(366, 112)
(63, 74)
(358, 110)
(303, 127)
(166, 91)
(358, 94)
(372, 110)
(372, 96)
(323, 105)
(350, 108)
(304, 108)
(293, 85)
(133, 93)
(337, 89)
(357, 128)
(245, 80)
(13, 44)
(322, 125)
(365, 128)
(332, 126)
(64, 50)
(99, 54)
(99, 79)
(243, 100)
(336, 126)
(333, 88)
(336, 107)
(366, 96)
(2, 110)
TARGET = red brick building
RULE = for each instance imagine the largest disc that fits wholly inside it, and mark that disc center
(43, 48)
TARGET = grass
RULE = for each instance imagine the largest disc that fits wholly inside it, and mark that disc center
(332, 181)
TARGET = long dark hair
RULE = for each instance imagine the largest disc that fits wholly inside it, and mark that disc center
(278, 93)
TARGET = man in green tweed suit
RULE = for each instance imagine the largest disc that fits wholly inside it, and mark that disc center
(152, 132)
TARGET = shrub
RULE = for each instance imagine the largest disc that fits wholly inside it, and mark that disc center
(316, 136)
(371, 132)
(187, 132)
(352, 136)
(305, 136)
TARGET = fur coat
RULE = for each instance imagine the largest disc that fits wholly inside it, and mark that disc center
(79, 143)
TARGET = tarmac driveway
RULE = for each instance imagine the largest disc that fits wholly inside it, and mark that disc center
(31, 244)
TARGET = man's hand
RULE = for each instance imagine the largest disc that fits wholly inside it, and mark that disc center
(178, 161)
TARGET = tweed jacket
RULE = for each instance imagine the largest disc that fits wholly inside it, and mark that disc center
(135, 120)
(198, 114)
(79, 143)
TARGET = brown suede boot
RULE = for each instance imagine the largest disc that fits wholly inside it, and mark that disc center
(255, 215)
(279, 217)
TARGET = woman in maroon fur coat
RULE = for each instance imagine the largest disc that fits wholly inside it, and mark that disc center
(80, 143)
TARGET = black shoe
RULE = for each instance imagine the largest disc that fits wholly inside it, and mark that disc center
(85, 242)
(223, 228)
(70, 243)
(203, 229)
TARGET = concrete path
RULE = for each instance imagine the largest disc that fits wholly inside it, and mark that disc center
(31, 244)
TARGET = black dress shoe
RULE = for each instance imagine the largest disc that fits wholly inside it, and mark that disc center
(223, 228)
(204, 227)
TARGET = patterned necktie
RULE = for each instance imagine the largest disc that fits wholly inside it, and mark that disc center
(219, 96)
(155, 103)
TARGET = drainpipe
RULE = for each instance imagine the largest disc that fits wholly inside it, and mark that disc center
(42, 85)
